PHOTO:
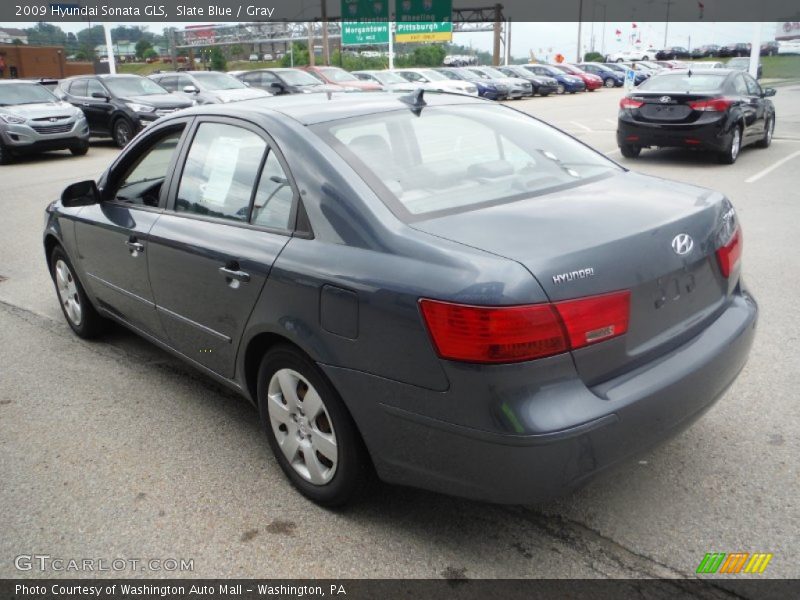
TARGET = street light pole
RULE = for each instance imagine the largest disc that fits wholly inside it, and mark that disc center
(580, 19)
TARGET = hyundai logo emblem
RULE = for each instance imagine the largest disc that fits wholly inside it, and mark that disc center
(665, 99)
(682, 244)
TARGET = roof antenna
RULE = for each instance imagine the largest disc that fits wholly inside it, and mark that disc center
(416, 100)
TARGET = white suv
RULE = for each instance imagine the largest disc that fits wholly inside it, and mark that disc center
(626, 55)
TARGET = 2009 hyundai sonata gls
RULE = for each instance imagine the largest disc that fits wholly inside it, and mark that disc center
(445, 290)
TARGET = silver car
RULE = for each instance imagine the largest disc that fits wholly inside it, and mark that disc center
(207, 87)
(32, 119)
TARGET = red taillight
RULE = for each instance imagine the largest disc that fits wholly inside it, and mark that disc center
(504, 334)
(630, 103)
(596, 318)
(712, 105)
(485, 334)
(729, 254)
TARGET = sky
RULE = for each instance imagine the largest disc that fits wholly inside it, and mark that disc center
(548, 39)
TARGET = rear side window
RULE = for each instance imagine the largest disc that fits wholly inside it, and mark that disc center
(78, 88)
(220, 172)
(272, 206)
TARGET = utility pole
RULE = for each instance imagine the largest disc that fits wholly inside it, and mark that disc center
(508, 42)
(310, 43)
(112, 65)
(580, 19)
(498, 27)
(603, 44)
(666, 25)
(326, 54)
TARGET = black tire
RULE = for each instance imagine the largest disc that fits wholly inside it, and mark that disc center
(90, 324)
(122, 132)
(80, 150)
(630, 151)
(731, 152)
(769, 129)
(352, 464)
(6, 158)
(544, 94)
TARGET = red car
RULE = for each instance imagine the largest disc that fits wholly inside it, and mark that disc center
(592, 81)
(338, 76)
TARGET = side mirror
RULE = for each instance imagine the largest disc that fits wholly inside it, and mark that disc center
(83, 193)
(100, 96)
(190, 89)
(769, 92)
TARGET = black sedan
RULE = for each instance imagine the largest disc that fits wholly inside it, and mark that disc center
(119, 106)
(673, 53)
(706, 51)
(735, 49)
(720, 110)
(437, 289)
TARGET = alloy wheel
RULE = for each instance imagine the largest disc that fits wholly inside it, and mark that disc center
(302, 426)
(68, 293)
(770, 131)
(122, 133)
(560, 88)
(736, 143)
(609, 83)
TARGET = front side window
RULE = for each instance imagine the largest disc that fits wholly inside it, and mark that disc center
(124, 87)
(220, 172)
(458, 157)
(78, 88)
(753, 89)
(94, 87)
(169, 83)
(141, 185)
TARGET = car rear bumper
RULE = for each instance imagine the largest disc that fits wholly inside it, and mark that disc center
(711, 135)
(596, 428)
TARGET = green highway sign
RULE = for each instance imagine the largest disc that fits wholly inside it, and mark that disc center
(365, 22)
(424, 21)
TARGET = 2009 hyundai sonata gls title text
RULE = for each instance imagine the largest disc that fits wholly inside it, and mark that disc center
(441, 289)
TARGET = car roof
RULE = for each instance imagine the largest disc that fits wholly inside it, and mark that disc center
(319, 108)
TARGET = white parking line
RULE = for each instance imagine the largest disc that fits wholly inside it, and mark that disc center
(581, 125)
(770, 169)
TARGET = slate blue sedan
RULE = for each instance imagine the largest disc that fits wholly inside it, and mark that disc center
(433, 288)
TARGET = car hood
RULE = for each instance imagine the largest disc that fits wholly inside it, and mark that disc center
(160, 100)
(41, 110)
(239, 94)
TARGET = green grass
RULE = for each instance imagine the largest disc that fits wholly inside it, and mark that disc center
(775, 67)
(145, 69)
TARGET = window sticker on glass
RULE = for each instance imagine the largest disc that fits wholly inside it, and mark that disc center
(221, 176)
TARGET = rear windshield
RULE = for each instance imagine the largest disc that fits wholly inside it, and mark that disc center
(683, 82)
(454, 158)
(15, 94)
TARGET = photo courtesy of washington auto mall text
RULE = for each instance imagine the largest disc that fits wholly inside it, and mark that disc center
(399, 299)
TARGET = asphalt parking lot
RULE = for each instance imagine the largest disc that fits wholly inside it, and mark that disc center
(115, 449)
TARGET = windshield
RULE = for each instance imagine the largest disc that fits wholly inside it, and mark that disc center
(549, 70)
(133, 86)
(339, 75)
(683, 82)
(217, 81)
(459, 157)
(493, 73)
(15, 94)
(614, 67)
(451, 74)
(297, 77)
(432, 75)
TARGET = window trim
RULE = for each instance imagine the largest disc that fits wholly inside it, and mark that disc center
(271, 146)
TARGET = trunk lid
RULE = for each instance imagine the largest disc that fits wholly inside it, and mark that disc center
(661, 107)
(610, 235)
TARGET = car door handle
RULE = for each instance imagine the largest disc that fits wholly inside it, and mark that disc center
(136, 247)
(242, 276)
(85, 103)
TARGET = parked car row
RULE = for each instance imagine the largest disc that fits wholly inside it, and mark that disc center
(770, 48)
